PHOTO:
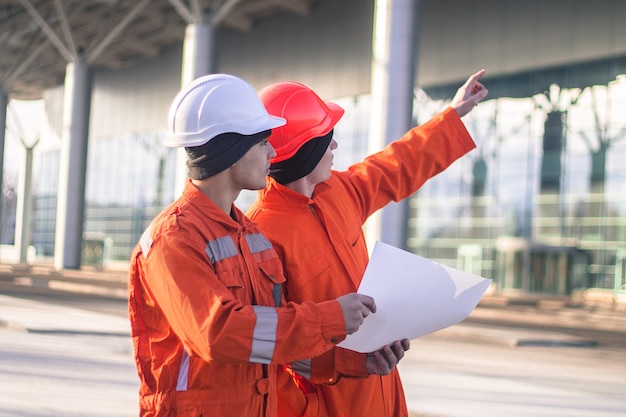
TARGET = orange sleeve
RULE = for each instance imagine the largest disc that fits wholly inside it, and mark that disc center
(329, 367)
(311, 328)
(404, 165)
(214, 325)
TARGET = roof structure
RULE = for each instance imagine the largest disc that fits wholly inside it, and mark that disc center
(38, 38)
(538, 80)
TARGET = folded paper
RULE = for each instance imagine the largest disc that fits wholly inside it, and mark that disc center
(414, 296)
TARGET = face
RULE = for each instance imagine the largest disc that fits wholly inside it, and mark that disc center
(251, 171)
(321, 172)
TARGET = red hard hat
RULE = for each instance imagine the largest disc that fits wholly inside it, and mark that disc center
(308, 116)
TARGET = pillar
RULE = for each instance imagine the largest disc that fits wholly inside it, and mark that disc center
(73, 167)
(4, 102)
(392, 84)
(198, 60)
(23, 226)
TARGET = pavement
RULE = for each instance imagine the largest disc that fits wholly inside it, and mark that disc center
(79, 359)
(510, 319)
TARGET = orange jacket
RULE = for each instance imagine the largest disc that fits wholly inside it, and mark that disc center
(322, 245)
(206, 333)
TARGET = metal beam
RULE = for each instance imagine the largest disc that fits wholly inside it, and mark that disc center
(197, 11)
(21, 67)
(183, 11)
(56, 41)
(223, 11)
(94, 53)
(65, 27)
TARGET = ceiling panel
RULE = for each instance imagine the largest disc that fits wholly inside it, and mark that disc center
(39, 37)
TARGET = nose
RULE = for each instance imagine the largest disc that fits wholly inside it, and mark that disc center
(333, 144)
(271, 152)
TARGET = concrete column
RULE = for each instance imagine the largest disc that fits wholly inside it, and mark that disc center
(4, 102)
(198, 49)
(73, 167)
(393, 73)
(23, 223)
(198, 60)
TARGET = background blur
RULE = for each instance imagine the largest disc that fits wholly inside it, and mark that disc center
(540, 206)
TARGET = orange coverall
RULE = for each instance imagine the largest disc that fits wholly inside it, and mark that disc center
(206, 333)
(323, 249)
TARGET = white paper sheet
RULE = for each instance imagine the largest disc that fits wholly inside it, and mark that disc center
(414, 296)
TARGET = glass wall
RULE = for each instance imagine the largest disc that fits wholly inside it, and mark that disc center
(129, 180)
(541, 204)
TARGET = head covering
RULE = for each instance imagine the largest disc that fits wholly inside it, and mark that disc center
(303, 162)
(215, 104)
(308, 116)
(220, 153)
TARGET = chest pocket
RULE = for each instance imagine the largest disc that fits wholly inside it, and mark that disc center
(224, 257)
(269, 289)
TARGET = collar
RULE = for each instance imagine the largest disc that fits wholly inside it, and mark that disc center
(207, 206)
(276, 196)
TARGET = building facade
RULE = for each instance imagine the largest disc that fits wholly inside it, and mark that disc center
(540, 206)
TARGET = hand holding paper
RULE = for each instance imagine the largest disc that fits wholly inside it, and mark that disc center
(383, 361)
(355, 308)
(414, 297)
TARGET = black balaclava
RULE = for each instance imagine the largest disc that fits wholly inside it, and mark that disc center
(303, 162)
(220, 153)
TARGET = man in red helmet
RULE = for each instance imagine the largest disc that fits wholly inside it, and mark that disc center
(314, 218)
(208, 324)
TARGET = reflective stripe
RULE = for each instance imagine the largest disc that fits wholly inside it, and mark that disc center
(220, 248)
(277, 292)
(302, 368)
(146, 242)
(264, 335)
(183, 373)
(258, 243)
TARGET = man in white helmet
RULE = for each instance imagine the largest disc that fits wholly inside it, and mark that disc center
(209, 326)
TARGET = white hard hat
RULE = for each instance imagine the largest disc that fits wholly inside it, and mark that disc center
(216, 104)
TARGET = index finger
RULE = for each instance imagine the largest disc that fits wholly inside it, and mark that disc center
(476, 76)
